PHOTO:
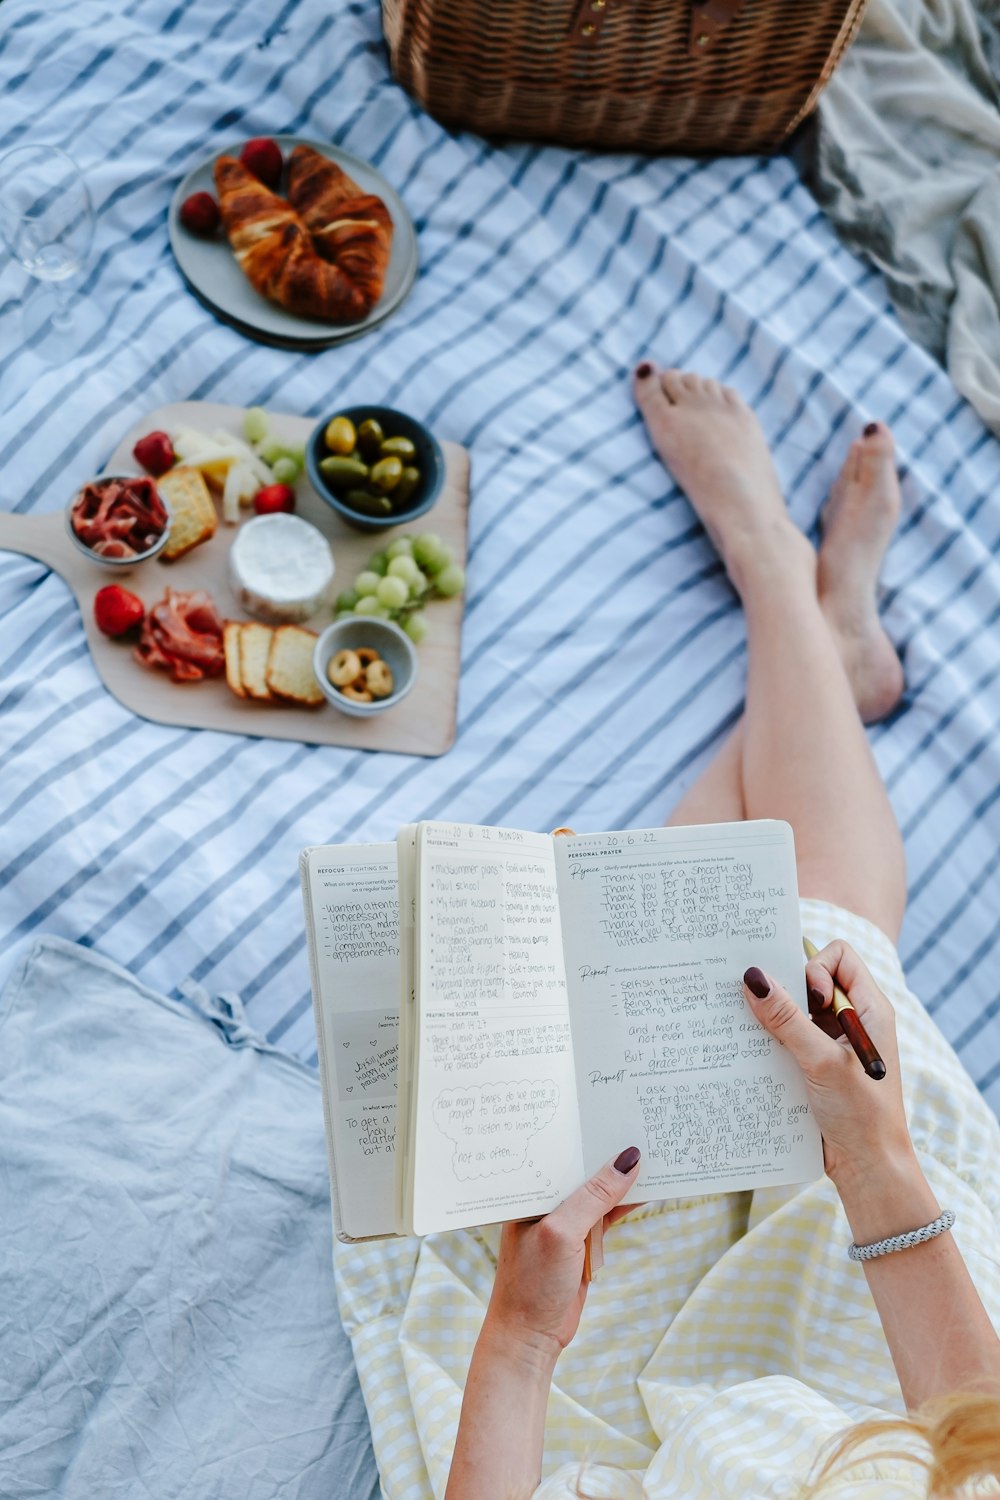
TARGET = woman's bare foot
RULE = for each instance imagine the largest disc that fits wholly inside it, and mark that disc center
(858, 522)
(712, 444)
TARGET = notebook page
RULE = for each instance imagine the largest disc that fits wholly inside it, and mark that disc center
(406, 857)
(497, 1130)
(352, 891)
(659, 926)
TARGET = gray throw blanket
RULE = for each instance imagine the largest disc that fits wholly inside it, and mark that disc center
(905, 158)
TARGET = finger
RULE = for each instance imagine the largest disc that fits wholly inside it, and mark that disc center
(563, 833)
(778, 1014)
(575, 1217)
(838, 961)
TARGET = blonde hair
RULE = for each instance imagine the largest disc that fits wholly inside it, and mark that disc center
(958, 1449)
(959, 1438)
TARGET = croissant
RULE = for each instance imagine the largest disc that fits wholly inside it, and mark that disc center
(349, 227)
(276, 253)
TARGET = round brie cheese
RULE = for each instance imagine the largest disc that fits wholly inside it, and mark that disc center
(281, 568)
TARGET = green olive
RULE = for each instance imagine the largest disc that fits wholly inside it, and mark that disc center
(340, 435)
(368, 505)
(399, 447)
(386, 474)
(409, 483)
(370, 440)
(343, 472)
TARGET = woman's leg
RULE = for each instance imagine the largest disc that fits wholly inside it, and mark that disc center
(801, 753)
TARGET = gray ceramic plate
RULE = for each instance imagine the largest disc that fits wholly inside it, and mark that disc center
(213, 274)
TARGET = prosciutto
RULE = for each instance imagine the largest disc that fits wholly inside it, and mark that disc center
(182, 635)
(119, 517)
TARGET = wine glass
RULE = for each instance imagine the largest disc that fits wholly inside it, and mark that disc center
(47, 224)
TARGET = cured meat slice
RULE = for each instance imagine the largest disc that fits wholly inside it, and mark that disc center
(119, 517)
(182, 635)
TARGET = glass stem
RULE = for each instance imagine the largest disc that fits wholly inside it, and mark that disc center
(62, 316)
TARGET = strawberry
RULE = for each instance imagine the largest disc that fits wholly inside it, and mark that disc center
(155, 452)
(200, 214)
(274, 497)
(263, 158)
(116, 611)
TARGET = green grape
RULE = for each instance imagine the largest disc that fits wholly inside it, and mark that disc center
(369, 605)
(416, 627)
(345, 614)
(296, 451)
(450, 581)
(271, 450)
(348, 599)
(404, 568)
(430, 552)
(366, 582)
(255, 424)
(401, 547)
(285, 470)
(419, 585)
(392, 592)
(378, 563)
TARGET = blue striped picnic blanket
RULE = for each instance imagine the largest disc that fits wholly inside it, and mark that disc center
(603, 652)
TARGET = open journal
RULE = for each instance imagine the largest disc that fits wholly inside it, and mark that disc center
(501, 1012)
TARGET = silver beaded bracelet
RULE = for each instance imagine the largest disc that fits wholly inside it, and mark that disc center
(903, 1241)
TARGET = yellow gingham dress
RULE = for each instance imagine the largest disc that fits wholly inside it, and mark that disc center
(725, 1340)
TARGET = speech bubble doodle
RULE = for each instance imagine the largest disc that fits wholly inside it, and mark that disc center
(491, 1124)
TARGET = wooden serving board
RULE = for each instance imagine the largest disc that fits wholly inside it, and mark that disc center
(423, 724)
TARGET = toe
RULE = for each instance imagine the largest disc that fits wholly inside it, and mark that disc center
(876, 453)
(673, 384)
(653, 403)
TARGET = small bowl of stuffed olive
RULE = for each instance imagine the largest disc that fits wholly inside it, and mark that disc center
(376, 467)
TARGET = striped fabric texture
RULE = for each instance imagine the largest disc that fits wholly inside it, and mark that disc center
(725, 1340)
(603, 650)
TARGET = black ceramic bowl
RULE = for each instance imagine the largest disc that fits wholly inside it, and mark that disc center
(429, 460)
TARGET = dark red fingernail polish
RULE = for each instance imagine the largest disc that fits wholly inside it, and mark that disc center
(816, 1001)
(757, 982)
(627, 1160)
(871, 429)
(644, 370)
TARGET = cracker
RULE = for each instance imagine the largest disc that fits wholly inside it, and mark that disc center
(231, 645)
(290, 672)
(255, 648)
(192, 510)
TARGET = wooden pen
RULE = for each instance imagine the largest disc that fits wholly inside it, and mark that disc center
(850, 1025)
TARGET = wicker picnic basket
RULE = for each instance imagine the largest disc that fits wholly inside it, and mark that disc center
(721, 76)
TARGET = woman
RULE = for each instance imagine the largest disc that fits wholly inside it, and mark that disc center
(728, 1338)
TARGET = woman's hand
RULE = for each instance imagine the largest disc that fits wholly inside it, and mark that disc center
(862, 1121)
(539, 1291)
(538, 1296)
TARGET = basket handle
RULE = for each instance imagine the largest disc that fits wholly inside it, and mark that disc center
(709, 18)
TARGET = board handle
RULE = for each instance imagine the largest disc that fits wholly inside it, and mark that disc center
(41, 537)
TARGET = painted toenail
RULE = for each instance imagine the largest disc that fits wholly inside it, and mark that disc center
(644, 370)
(871, 429)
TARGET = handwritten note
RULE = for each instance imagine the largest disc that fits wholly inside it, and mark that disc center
(497, 1125)
(491, 1125)
(658, 927)
(355, 912)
